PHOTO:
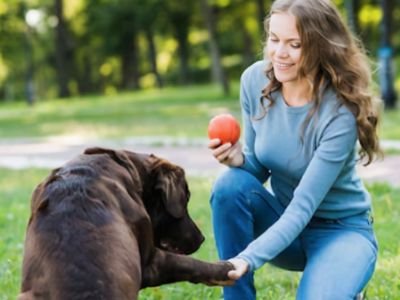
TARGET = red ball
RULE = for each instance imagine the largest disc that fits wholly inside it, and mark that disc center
(224, 127)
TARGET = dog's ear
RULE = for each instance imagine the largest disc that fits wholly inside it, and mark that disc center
(116, 155)
(171, 182)
(40, 201)
(100, 150)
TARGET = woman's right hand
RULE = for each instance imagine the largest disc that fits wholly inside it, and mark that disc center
(227, 154)
(241, 268)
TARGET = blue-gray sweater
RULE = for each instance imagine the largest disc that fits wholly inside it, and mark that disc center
(313, 176)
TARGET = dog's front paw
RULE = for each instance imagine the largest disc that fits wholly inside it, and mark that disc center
(225, 267)
(220, 283)
(219, 274)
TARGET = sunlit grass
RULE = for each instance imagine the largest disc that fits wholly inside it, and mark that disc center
(173, 112)
(390, 127)
(272, 284)
(178, 112)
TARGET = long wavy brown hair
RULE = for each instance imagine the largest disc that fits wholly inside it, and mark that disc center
(335, 58)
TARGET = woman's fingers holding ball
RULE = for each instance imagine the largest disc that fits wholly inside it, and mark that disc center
(214, 143)
(222, 152)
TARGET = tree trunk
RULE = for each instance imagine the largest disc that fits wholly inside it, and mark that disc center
(130, 64)
(153, 57)
(30, 68)
(217, 70)
(262, 13)
(181, 24)
(62, 55)
(388, 92)
(248, 55)
(352, 7)
(84, 76)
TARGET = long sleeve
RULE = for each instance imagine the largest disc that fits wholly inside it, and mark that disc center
(251, 163)
(335, 147)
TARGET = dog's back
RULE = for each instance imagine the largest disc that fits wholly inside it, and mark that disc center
(78, 243)
(109, 223)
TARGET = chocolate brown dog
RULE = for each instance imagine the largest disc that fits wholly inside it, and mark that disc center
(109, 223)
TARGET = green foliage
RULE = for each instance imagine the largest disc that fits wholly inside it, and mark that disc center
(272, 283)
(113, 35)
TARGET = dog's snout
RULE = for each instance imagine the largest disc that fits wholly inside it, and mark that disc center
(200, 237)
(194, 238)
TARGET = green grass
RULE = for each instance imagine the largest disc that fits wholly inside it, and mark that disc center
(178, 112)
(390, 127)
(15, 190)
(172, 112)
(272, 283)
(182, 112)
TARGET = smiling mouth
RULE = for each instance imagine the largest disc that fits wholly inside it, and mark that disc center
(282, 66)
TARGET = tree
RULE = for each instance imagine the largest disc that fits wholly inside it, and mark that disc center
(149, 33)
(15, 74)
(217, 70)
(149, 14)
(99, 45)
(386, 56)
(180, 18)
(63, 51)
(116, 22)
(262, 12)
(352, 7)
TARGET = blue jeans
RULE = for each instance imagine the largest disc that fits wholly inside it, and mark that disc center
(337, 257)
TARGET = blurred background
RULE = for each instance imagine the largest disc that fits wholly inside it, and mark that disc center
(67, 48)
(148, 75)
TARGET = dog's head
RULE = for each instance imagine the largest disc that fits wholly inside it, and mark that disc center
(173, 228)
(165, 195)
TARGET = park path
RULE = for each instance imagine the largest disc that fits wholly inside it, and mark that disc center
(192, 154)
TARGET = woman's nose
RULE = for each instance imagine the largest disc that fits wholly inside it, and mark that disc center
(281, 50)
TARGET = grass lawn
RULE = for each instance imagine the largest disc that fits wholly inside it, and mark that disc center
(173, 112)
(182, 112)
(179, 112)
(274, 284)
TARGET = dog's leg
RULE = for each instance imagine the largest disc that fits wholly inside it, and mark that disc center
(167, 267)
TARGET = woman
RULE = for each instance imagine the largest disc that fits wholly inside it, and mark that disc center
(304, 108)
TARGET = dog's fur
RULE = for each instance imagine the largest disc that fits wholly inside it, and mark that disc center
(109, 223)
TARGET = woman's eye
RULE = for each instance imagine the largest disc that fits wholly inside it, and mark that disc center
(296, 46)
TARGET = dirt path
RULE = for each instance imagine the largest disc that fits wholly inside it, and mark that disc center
(192, 155)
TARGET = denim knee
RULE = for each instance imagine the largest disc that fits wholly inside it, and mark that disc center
(232, 183)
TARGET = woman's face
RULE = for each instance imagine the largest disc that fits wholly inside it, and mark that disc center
(284, 47)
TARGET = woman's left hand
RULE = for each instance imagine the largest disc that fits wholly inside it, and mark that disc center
(241, 268)
(227, 154)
